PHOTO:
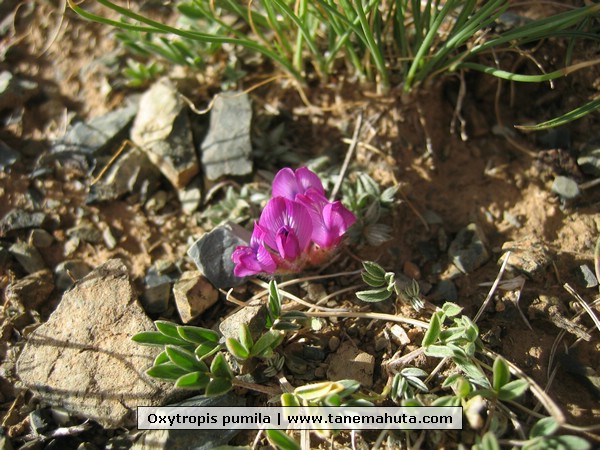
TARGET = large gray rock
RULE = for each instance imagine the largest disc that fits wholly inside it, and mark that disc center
(212, 254)
(83, 358)
(162, 129)
(227, 147)
(97, 134)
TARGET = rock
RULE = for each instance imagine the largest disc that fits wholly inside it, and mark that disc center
(445, 291)
(14, 91)
(158, 281)
(528, 256)
(212, 254)
(399, 336)
(586, 277)
(19, 219)
(67, 273)
(83, 358)
(99, 133)
(565, 187)
(40, 238)
(31, 290)
(8, 156)
(162, 129)
(87, 232)
(192, 439)
(190, 196)
(469, 250)
(349, 362)
(157, 202)
(28, 256)
(227, 149)
(589, 161)
(193, 295)
(254, 316)
(131, 173)
(109, 239)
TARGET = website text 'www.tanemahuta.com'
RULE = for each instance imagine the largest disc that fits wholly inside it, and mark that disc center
(300, 418)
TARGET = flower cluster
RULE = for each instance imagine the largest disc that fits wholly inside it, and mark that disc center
(298, 227)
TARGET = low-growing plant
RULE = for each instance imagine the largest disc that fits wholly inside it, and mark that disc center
(393, 42)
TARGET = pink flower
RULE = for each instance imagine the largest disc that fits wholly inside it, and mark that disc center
(297, 227)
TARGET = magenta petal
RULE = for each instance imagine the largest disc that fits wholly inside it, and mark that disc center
(289, 184)
(287, 244)
(285, 184)
(265, 260)
(281, 215)
(307, 179)
(245, 261)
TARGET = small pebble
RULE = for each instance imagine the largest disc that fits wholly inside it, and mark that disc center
(40, 238)
(334, 343)
(28, 256)
(566, 188)
(411, 270)
(586, 277)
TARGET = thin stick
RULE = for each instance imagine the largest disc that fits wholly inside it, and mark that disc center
(493, 289)
(585, 306)
(348, 158)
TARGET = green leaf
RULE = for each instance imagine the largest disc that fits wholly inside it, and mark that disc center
(513, 389)
(286, 326)
(161, 358)
(575, 114)
(156, 338)
(413, 372)
(374, 296)
(281, 440)
(184, 359)
(447, 400)
(372, 280)
(246, 337)
(218, 386)
(274, 299)
(489, 442)
(267, 341)
(237, 349)
(439, 351)
(167, 328)
(288, 399)
(417, 383)
(166, 371)
(501, 373)
(568, 442)
(374, 269)
(207, 349)
(219, 367)
(316, 391)
(434, 330)
(193, 380)
(544, 427)
(197, 335)
(451, 309)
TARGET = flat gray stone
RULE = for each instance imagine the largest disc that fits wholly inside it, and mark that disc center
(566, 188)
(193, 295)
(83, 358)
(162, 129)
(586, 277)
(19, 219)
(28, 257)
(255, 316)
(212, 254)
(469, 249)
(227, 147)
(97, 134)
(68, 272)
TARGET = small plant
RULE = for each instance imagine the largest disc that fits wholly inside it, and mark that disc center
(385, 285)
(366, 200)
(139, 74)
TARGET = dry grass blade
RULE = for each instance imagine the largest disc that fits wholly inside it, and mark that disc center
(584, 305)
(493, 289)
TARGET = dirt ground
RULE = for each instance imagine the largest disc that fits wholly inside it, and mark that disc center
(501, 182)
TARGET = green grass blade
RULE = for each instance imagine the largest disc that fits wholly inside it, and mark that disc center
(575, 114)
